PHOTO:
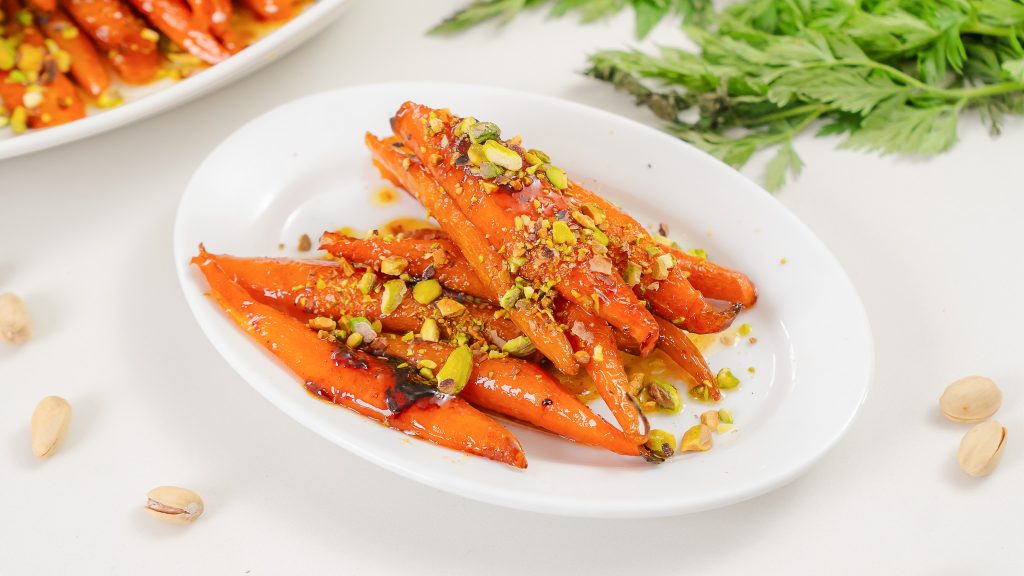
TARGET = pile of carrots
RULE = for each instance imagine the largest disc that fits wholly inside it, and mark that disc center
(528, 269)
(56, 56)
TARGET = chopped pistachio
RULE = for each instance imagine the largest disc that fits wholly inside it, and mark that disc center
(454, 375)
(408, 336)
(632, 274)
(429, 331)
(31, 100)
(510, 297)
(6, 56)
(562, 233)
(24, 17)
(30, 58)
(354, 340)
(557, 178)
(698, 253)
(665, 395)
(448, 307)
(701, 392)
(393, 265)
(394, 292)
(723, 428)
(696, 439)
(662, 264)
(598, 355)
(710, 419)
(465, 125)
(601, 237)
(323, 323)
(743, 330)
(636, 384)
(725, 415)
(532, 159)
(503, 156)
(661, 444)
(490, 170)
(367, 282)
(427, 373)
(518, 346)
(515, 263)
(483, 131)
(594, 211)
(663, 240)
(544, 158)
(726, 380)
(476, 154)
(583, 220)
(69, 32)
(427, 363)
(426, 291)
(19, 119)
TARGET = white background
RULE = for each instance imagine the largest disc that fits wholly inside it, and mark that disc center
(933, 247)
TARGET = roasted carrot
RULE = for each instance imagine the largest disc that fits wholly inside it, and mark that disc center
(270, 9)
(363, 383)
(51, 98)
(220, 24)
(309, 289)
(682, 350)
(43, 5)
(712, 280)
(173, 19)
(397, 165)
(520, 390)
(428, 258)
(86, 64)
(124, 38)
(556, 250)
(592, 335)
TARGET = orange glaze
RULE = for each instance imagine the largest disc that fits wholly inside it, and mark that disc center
(402, 225)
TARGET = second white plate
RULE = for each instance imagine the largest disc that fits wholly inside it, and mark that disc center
(302, 168)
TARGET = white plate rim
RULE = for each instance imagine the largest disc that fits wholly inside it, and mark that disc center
(196, 299)
(262, 52)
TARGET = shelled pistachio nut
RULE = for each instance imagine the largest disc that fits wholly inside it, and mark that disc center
(971, 399)
(50, 423)
(174, 504)
(981, 448)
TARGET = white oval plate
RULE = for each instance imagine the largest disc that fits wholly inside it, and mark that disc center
(144, 101)
(302, 168)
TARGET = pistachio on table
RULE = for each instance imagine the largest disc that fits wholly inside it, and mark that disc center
(15, 322)
(981, 448)
(50, 423)
(971, 399)
(174, 504)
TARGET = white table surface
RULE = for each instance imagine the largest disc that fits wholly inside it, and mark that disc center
(932, 246)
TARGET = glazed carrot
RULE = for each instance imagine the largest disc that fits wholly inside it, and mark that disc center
(124, 38)
(307, 289)
(270, 9)
(363, 383)
(556, 249)
(427, 258)
(520, 390)
(86, 64)
(396, 165)
(173, 19)
(712, 280)
(682, 350)
(592, 335)
(220, 24)
(49, 100)
(43, 5)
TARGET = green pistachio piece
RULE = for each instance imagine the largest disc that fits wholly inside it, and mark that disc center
(562, 233)
(454, 375)
(601, 237)
(544, 158)
(483, 131)
(490, 170)
(503, 156)
(698, 253)
(354, 340)
(393, 265)
(700, 392)
(429, 332)
(725, 416)
(661, 444)
(594, 211)
(662, 264)
(394, 292)
(448, 307)
(632, 274)
(465, 125)
(664, 395)
(726, 380)
(557, 178)
(367, 282)
(426, 291)
(510, 297)
(476, 154)
(696, 439)
(6, 56)
(19, 118)
(518, 346)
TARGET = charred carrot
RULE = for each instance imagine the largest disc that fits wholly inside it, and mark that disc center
(549, 248)
(270, 9)
(427, 258)
(308, 289)
(592, 335)
(520, 390)
(682, 350)
(397, 165)
(86, 64)
(712, 280)
(363, 383)
(173, 19)
(124, 38)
